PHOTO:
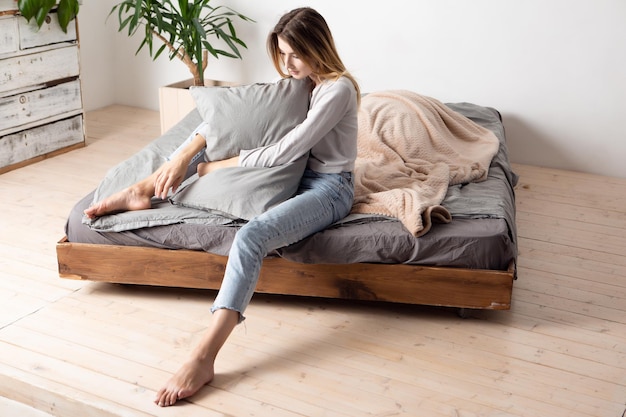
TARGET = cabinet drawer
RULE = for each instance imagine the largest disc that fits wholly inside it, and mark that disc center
(9, 39)
(40, 105)
(39, 68)
(32, 143)
(8, 5)
(49, 33)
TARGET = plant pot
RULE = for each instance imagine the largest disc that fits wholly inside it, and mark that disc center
(175, 101)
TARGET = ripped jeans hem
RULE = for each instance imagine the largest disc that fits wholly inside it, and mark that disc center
(214, 308)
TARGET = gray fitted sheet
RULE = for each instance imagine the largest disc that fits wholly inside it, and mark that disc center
(481, 235)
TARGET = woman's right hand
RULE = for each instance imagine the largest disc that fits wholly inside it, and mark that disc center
(169, 176)
(172, 173)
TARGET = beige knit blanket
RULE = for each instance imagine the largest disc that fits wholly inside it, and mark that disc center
(410, 148)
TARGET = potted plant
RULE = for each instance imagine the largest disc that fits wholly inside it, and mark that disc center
(185, 29)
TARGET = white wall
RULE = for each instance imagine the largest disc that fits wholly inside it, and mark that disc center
(556, 70)
(98, 54)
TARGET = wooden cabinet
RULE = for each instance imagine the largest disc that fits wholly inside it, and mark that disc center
(41, 110)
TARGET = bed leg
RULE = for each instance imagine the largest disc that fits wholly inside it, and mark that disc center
(464, 313)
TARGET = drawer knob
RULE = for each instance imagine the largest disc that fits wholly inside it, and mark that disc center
(23, 99)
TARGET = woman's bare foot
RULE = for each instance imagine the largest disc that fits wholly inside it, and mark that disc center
(128, 199)
(199, 369)
(192, 376)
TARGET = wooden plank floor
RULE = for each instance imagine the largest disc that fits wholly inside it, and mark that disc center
(86, 349)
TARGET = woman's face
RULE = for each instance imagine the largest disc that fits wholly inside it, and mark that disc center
(292, 62)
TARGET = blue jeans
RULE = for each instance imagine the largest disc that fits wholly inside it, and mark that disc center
(321, 200)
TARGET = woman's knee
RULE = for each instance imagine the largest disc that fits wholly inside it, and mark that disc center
(253, 236)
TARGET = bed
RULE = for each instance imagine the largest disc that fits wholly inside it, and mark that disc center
(459, 251)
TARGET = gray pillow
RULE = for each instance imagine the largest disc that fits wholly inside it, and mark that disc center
(250, 116)
(247, 117)
(242, 192)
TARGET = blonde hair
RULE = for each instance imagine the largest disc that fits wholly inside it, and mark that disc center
(308, 34)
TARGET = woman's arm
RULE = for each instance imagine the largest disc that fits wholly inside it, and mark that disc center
(206, 167)
(327, 109)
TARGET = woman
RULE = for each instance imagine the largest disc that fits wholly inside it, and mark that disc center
(301, 46)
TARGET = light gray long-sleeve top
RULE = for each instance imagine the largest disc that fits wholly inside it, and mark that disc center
(329, 132)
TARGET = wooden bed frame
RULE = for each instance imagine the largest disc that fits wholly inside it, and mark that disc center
(399, 283)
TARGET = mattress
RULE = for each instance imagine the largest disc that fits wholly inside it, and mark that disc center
(481, 235)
